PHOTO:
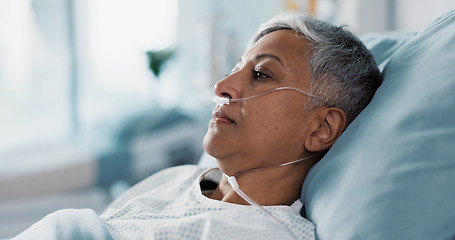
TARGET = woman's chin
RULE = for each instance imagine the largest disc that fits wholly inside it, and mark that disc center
(208, 144)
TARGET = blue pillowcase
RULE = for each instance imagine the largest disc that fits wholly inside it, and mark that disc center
(383, 45)
(391, 175)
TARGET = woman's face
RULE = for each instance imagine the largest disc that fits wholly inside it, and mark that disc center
(270, 129)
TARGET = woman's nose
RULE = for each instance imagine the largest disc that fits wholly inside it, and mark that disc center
(228, 87)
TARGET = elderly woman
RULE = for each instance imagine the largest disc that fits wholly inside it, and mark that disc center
(286, 102)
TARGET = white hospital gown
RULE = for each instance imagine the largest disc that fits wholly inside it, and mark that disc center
(170, 205)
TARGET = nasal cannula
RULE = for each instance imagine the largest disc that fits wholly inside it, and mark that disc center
(224, 100)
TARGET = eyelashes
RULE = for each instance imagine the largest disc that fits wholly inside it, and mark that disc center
(256, 75)
(259, 76)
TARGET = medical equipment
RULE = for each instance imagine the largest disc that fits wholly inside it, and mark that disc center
(235, 186)
(226, 101)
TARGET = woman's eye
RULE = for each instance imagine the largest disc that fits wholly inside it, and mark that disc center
(259, 76)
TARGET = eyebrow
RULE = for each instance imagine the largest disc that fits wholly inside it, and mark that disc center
(265, 55)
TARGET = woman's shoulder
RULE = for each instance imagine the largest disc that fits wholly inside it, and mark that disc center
(172, 180)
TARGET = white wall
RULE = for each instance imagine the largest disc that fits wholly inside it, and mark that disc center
(413, 15)
(364, 15)
(390, 15)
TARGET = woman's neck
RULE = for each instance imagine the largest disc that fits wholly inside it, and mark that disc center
(276, 186)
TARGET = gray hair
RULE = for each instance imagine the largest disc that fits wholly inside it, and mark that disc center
(342, 69)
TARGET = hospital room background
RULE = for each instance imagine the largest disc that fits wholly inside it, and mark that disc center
(96, 95)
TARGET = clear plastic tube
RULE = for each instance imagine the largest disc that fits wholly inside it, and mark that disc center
(227, 101)
(232, 180)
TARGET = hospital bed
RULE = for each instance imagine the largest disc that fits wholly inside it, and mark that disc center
(391, 175)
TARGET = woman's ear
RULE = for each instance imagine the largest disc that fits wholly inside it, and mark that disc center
(330, 123)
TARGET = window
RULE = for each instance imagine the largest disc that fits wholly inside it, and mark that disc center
(114, 42)
(68, 67)
(34, 66)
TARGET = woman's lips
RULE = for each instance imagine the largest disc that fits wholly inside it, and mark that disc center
(220, 116)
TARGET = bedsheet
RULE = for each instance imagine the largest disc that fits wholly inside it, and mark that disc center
(67, 224)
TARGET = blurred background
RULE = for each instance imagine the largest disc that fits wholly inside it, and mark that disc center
(96, 95)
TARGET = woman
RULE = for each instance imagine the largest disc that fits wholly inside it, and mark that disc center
(286, 102)
(328, 78)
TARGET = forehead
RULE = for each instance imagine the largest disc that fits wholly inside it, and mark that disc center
(287, 45)
(285, 34)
